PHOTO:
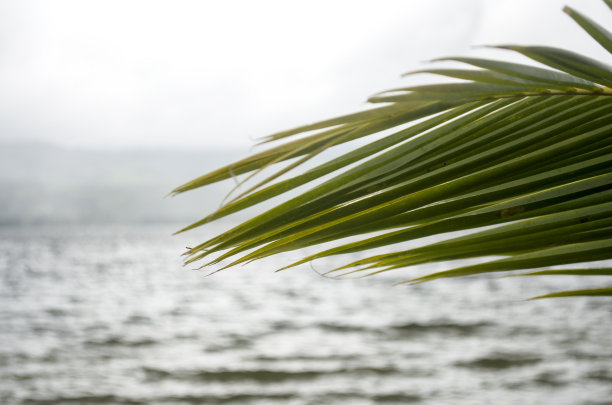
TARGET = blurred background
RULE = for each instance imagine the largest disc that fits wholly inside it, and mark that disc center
(107, 106)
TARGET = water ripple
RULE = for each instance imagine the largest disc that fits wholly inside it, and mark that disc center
(107, 315)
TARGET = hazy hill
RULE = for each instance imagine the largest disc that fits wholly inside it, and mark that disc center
(46, 183)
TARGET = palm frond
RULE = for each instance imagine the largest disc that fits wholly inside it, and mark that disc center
(524, 151)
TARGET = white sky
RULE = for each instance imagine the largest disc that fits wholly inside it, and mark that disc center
(203, 73)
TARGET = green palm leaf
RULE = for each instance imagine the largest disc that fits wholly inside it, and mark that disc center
(524, 151)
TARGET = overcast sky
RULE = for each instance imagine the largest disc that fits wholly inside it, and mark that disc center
(214, 74)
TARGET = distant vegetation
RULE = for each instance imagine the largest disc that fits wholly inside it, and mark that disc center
(42, 183)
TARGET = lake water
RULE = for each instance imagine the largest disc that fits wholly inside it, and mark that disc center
(107, 315)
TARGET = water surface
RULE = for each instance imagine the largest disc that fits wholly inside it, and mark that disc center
(107, 315)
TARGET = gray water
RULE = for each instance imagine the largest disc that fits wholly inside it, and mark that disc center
(107, 315)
